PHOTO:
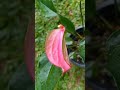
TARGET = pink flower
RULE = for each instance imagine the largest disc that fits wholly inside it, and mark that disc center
(56, 50)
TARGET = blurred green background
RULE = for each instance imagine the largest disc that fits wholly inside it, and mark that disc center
(14, 16)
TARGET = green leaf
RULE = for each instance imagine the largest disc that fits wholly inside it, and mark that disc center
(68, 25)
(113, 40)
(49, 4)
(48, 75)
(53, 78)
(46, 11)
(114, 64)
(82, 49)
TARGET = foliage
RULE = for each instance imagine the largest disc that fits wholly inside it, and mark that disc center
(45, 22)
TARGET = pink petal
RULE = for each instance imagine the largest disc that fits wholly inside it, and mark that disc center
(56, 51)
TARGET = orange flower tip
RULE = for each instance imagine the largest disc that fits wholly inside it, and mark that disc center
(61, 27)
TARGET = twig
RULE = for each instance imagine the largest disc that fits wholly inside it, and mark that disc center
(81, 14)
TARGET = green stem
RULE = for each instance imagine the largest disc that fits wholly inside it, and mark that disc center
(80, 37)
(81, 14)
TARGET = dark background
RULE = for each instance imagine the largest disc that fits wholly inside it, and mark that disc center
(14, 18)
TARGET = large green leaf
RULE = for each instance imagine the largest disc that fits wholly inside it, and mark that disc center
(113, 40)
(49, 10)
(48, 75)
(52, 79)
(114, 64)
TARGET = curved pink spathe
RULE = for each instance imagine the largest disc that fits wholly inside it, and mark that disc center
(54, 49)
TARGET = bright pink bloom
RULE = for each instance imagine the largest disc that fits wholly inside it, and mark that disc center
(56, 50)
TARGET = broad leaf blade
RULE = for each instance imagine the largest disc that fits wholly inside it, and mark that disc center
(48, 75)
(49, 4)
(46, 11)
(53, 78)
(50, 10)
